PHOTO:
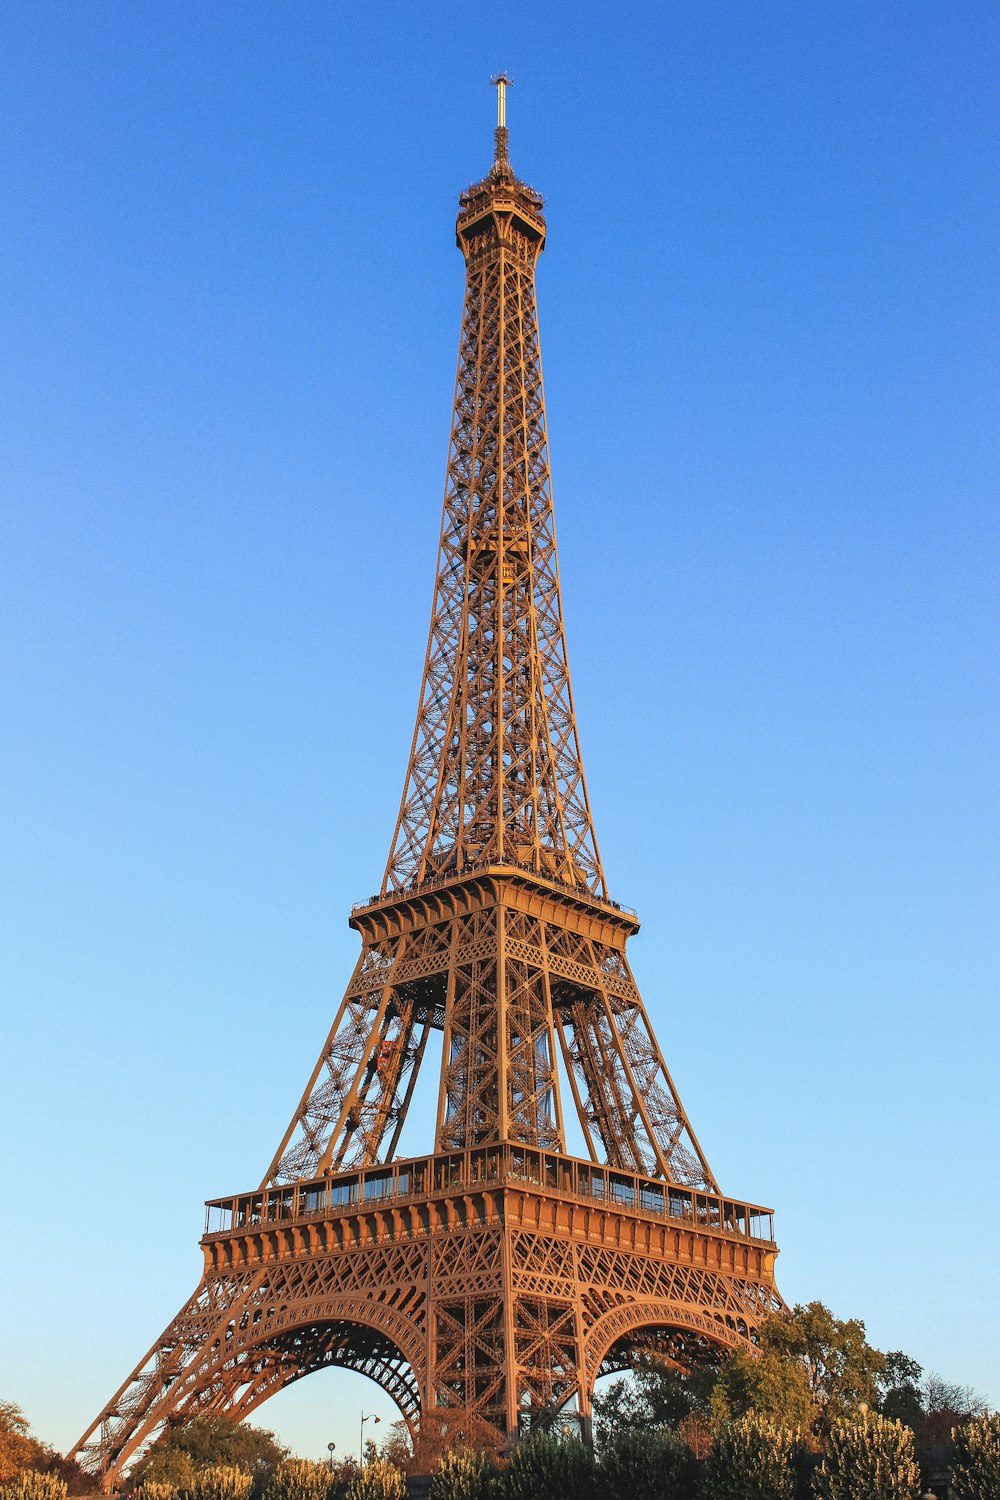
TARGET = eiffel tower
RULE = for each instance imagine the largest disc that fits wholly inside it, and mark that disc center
(498, 1277)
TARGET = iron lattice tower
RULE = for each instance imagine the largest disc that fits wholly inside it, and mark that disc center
(499, 1276)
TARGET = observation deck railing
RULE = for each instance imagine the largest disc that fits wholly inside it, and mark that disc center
(424, 1177)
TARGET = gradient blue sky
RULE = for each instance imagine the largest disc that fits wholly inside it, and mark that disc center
(229, 307)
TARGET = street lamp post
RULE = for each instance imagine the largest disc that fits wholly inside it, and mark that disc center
(371, 1417)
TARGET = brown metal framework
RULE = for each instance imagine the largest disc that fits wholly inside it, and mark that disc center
(499, 1275)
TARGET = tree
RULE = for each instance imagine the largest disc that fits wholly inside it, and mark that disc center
(646, 1466)
(752, 1458)
(18, 1449)
(397, 1447)
(302, 1479)
(809, 1369)
(768, 1385)
(465, 1476)
(221, 1482)
(153, 1489)
(868, 1458)
(549, 1468)
(377, 1481)
(901, 1399)
(975, 1464)
(843, 1371)
(30, 1484)
(945, 1407)
(451, 1429)
(654, 1394)
(187, 1447)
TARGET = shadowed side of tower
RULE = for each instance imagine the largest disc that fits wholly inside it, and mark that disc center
(497, 1276)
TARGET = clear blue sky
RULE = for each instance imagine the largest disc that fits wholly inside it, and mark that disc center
(229, 309)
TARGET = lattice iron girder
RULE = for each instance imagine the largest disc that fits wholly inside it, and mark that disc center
(503, 985)
(495, 770)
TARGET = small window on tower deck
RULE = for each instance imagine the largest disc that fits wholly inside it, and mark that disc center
(596, 1187)
(343, 1193)
(651, 1198)
(311, 1198)
(761, 1226)
(622, 1190)
(218, 1218)
(280, 1203)
(680, 1204)
(378, 1187)
(418, 1178)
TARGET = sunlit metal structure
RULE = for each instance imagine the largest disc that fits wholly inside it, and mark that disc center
(500, 1275)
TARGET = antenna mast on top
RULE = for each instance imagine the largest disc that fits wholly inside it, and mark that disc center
(501, 156)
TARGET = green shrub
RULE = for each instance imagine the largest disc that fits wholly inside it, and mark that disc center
(868, 1458)
(377, 1481)
(221, 1482)
(154, 1489)
(33, 1485)
(464, 1476)
(975, 1465)
(549, 1468)
(649, 1465)
(300, 1479)
(752, 1458)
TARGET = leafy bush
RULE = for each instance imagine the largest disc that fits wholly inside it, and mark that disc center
(183, 1449)
(975, 1465)
(300, 1479)
(464, 1476)
(549, 1468)
(868, 1458)
(153, 1489)
(32, 1485)
(18, 1449)
(377, 1481)
(649, 1465)
(752, 1458)
(221, 1482)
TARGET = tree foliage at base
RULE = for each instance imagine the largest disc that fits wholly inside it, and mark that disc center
(752, 1458)
(769, 1385)
(549, 1468)
(647, 1465)
(31, 1484)
(975, 1464)
(302, 1479)
(453, 1429)
(21, 1451)
(654, 1395)
(186, 1448)
(221, 1482)
(18, 1448)
(378, 1480)
(153, 1489)
(465, 1475)
(868, 1458)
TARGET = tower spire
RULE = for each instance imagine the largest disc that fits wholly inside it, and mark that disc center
(501, 138)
